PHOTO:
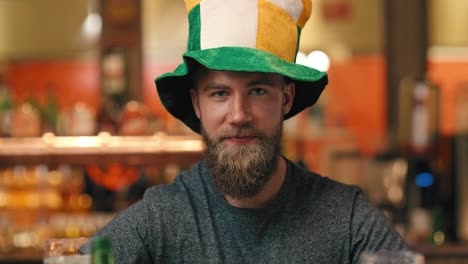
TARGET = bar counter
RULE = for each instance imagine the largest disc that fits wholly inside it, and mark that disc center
(447, 254)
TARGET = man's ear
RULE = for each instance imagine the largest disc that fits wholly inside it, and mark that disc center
(289, 92)
(196, 106)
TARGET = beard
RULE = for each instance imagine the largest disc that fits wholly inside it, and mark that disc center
(242, 171)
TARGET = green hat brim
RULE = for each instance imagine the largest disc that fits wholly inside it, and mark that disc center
(173, 88)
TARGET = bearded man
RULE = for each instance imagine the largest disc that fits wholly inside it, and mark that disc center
(245, 202)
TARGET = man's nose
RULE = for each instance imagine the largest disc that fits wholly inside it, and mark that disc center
(239, 113)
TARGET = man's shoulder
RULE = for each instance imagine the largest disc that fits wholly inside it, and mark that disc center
(311, 178)
(183, 184)
(322, 187)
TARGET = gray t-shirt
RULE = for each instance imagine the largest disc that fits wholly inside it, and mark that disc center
(313, 220)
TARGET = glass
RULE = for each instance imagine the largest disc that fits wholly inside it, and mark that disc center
(65, 250)
(389, 257)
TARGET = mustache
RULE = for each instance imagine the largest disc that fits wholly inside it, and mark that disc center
(245, 131)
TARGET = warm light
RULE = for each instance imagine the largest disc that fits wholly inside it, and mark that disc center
(86, 142)
(80, 141)
(48, 138)
(54, 178)
(3, 198)
(32, 200)
(26, 108)
(24, 239)
(72, 231)
(85, 201)
(133, 106)
(439, 238)
(318, 60)
(301, 58)
(52, 200)
(92, 26)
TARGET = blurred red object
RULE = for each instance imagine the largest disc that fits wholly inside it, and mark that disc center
(115, 177)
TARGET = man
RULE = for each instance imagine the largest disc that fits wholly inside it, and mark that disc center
(245, 203)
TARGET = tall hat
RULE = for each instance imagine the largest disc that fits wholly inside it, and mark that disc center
(242, 35)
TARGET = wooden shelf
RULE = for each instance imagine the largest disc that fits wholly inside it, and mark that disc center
(130, 150)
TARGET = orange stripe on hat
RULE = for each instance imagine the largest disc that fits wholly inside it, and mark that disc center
(277, 31)
(306, 11)
(190, 4)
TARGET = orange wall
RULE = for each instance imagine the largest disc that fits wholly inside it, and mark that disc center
(70, 80)
(448, 75)
(149, 94)
(357, 95)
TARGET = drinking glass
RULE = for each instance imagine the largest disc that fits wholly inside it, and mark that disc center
(391, 257)
(65, 250)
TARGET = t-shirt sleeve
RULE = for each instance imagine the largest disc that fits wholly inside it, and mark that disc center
(370, 229)
(126, 232)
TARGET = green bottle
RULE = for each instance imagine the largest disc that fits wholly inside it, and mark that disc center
(101, 250)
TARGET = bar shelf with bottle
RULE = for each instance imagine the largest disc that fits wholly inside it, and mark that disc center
(70, 186)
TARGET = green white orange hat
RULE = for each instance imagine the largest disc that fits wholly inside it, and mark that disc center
(242, 35)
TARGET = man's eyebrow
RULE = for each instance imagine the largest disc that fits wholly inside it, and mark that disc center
(214, 86)
(261, 81)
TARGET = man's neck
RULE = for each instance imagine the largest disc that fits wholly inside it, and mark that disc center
(267, 194)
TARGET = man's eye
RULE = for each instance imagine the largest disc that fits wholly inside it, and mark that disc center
(258, 91)
(219, 94)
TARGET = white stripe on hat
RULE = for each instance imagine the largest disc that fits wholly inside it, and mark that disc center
(228, 23)
(293, 7)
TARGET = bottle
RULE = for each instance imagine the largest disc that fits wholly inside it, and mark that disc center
(50, 112)
(101, 250)
(83, 120)
(26, 121)
(107, 119)
(115, 82)
(418, 131)
(6, 108)
(423, 202)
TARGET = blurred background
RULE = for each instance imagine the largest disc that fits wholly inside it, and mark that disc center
(83, 132)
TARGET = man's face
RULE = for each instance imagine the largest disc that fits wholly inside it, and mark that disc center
(241, 117)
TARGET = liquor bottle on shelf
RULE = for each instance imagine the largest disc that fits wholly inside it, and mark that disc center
(453, 153)
(82, 120)
(26, 121)
(460, 169)
(423, 203)
(418, 131)
(107, 120)
(115, 88)
(49, 112)
(6, 107)
(115, 76)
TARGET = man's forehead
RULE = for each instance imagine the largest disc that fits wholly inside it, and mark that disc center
(214, 74)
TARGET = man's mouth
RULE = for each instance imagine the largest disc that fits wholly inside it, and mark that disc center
(240, 140)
